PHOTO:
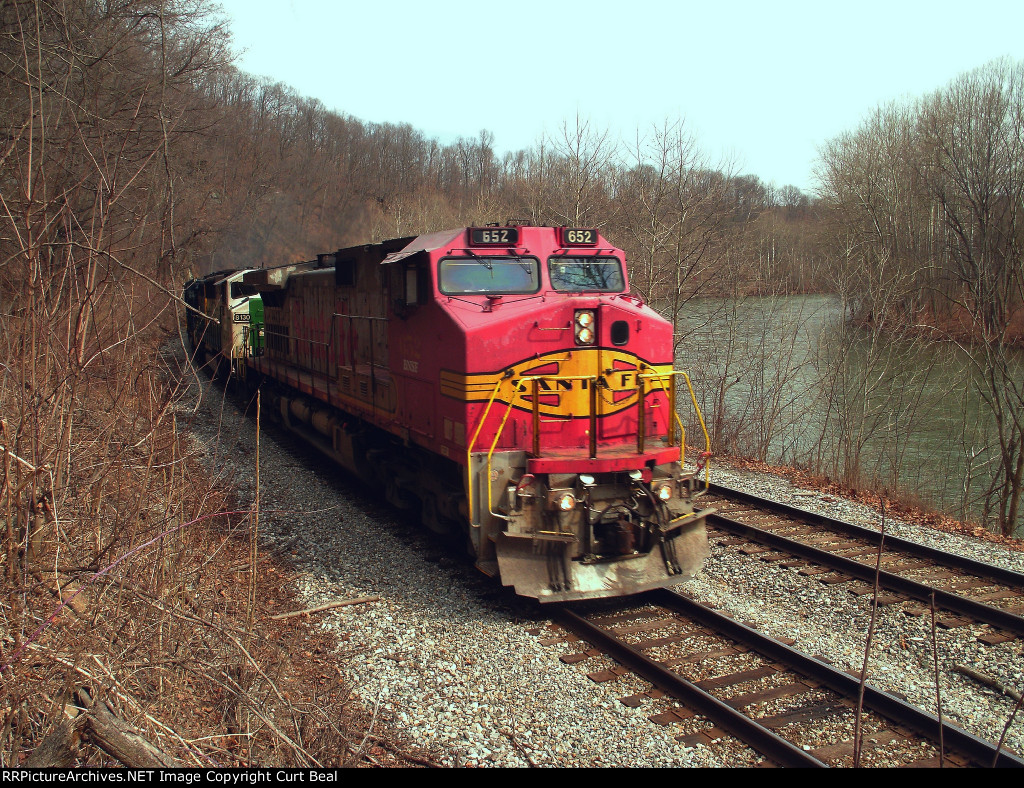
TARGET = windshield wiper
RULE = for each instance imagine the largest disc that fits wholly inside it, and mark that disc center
(479, 259)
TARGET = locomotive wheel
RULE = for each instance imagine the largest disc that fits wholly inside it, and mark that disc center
(398, 497)
(434, 520)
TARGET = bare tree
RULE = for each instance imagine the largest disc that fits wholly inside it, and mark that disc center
(579, 171)
(973, 135)
(673, 207)
(926, 200)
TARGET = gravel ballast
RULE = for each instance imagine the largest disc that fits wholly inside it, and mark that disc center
(447, 662)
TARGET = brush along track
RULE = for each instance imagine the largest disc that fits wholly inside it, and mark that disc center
(736, 685)
(835, 551)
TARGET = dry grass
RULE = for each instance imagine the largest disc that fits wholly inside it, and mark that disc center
(153, 564)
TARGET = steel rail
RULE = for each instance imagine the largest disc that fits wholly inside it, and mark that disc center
(724, 716)
(988, 571)
(956, 739)
(914, 589)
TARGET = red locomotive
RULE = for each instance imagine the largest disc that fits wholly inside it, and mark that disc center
(501, 379)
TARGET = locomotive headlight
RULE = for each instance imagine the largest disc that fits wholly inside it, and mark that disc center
(566, 502)
(663, 491)
(584, 327)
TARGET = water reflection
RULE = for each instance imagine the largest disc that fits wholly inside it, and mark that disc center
(789, 381)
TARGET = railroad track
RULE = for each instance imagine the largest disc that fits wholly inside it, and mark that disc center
(718, 679)
(962, 589)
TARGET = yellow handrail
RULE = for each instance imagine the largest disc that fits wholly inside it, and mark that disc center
(501, 427)
(469, 452)
(518, 385)
(669, 393)
(700, 418)
(494, 443)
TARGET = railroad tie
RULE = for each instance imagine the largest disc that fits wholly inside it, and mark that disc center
(634, 701)
(720, 682)
(994, 638)
(813, 713)
(572, 659)
(873, 741)
(672, 715)
(601, 676)
(790, 690)
(702, 737)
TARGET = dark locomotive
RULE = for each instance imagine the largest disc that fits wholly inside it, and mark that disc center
(502, 380)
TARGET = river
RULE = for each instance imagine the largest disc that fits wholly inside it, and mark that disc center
(787, 380)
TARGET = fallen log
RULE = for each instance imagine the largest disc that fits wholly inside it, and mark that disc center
(120, 740)
(988, 681)
(329, 606)
(59, 747)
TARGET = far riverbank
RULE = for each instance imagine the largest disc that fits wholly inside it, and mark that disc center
(791, 381)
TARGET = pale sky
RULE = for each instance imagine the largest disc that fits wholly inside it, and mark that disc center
(762, 83)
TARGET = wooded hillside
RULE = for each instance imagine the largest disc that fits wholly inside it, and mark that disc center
(133, 155)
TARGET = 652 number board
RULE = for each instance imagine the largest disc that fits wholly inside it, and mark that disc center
(494, 236)
(578, 236)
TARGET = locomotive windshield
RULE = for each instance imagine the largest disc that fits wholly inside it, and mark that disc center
(593, 274)
(487, 274)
